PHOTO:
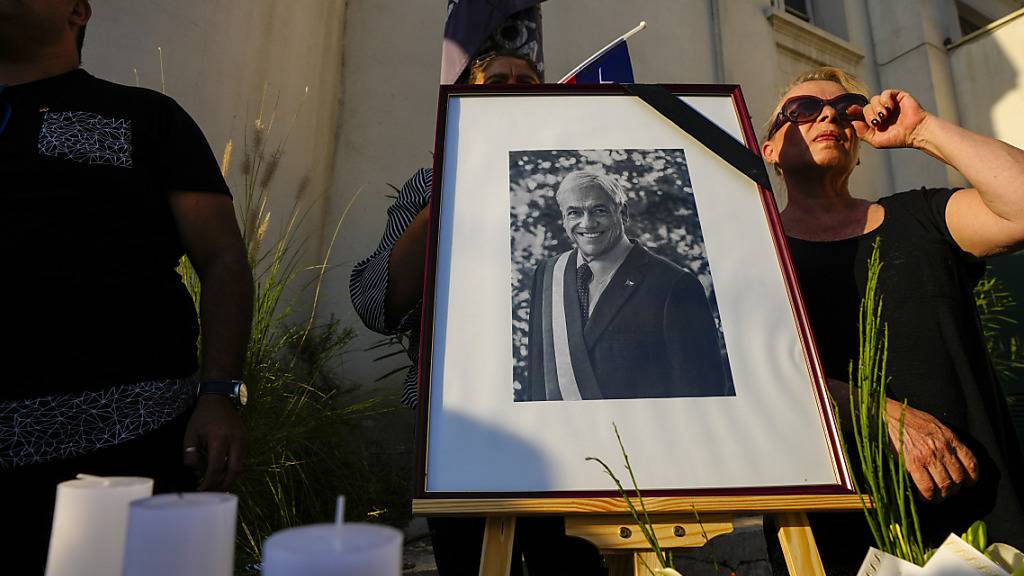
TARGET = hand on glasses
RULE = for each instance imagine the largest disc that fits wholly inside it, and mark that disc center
(888, 120)
(891, 119)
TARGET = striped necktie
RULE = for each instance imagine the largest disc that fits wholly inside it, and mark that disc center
(583, 276)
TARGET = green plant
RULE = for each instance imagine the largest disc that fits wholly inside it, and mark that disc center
(396, 345)
(995, 303)
(893, 519)
(977, 536)
(643, 520)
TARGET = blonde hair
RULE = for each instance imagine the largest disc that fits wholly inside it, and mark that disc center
(476, 68)
(848, 81)
(475, 74)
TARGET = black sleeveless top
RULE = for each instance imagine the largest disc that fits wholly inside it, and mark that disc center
(937, 358)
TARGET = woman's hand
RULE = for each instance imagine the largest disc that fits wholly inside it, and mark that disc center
(936, 460)
(890, 120)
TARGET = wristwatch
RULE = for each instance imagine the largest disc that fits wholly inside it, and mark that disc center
(233, 389)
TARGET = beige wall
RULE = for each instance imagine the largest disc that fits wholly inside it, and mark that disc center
(373, 66)
(988, 69)
(218, 59)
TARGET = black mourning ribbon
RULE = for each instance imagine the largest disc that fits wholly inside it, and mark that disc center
(583, 276)
(703, 130)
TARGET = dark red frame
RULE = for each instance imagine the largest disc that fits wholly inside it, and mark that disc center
(771, 211)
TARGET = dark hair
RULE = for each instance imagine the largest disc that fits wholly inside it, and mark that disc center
(80, 41)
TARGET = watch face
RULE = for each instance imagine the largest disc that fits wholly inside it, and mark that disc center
(243, 394)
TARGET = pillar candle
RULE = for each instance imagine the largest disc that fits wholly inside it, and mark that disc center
(89, 519)
(352, 549)
(176, 534)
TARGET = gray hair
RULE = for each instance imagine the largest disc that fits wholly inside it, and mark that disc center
(588, 178)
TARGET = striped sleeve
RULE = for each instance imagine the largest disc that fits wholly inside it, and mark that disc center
(369, 281)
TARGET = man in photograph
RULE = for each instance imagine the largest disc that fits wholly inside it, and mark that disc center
(609, 319)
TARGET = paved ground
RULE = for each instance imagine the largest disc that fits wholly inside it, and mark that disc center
(742, 553)
(418, 559)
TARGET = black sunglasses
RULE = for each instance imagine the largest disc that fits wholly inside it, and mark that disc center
(806, 108)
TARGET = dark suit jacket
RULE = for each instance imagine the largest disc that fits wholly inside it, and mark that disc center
(650, 335)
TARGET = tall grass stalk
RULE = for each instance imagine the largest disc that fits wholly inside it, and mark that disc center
(641, 517)
(893, 519)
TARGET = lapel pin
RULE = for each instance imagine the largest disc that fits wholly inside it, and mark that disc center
(630, 283)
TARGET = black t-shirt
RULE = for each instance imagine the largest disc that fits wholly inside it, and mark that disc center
(937, 360)
(90, 243)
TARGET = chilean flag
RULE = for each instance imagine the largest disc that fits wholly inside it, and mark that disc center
(610, 64)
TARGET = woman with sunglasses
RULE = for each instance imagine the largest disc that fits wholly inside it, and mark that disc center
(961, 450)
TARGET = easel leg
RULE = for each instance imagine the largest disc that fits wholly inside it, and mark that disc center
(644, 562)
(496, 556)
(631, 563)
(798, 545)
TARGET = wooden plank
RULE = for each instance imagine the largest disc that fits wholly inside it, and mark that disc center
(673, 531)
(496, 555)
(798, 544)
(645, 563)
(560, 506)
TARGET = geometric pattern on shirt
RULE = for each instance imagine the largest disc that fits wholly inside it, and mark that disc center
(63, 426)
(86, 137)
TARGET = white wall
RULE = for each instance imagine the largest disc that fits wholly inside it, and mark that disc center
(989, 76)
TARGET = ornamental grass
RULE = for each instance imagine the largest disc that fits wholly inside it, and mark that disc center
(893, 518)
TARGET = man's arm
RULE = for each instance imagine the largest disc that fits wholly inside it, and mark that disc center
(208, 229)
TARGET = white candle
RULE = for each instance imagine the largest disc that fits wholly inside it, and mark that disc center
(176, 534)
(352, 549)
(89, 519)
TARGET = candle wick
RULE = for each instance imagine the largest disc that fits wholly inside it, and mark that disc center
(105, 481)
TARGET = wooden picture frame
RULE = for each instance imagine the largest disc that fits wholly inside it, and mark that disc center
(768, 441)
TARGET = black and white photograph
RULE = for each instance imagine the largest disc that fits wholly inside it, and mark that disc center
(598, 266)
(612, 294)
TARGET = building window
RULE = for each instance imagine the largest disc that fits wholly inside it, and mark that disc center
(799, 8)
(970, 19)
(828, 15)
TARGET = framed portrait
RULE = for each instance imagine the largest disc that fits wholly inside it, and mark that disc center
(591, 263)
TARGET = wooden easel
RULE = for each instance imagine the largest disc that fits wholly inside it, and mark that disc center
(606, 523)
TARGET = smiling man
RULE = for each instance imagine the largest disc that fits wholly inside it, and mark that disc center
(608, 319)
